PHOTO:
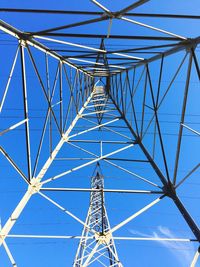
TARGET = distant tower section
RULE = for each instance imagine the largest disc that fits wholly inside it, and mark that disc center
(96, 247)
(101, 99)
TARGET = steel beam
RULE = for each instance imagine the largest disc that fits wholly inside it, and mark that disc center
(96, 13)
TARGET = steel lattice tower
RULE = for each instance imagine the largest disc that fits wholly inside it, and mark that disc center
(102, 248)
(128, 104)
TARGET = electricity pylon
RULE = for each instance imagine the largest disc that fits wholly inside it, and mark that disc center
(97, 244)
(122, 126)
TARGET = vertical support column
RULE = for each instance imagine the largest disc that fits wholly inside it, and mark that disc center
(182, 118)
(61, 97)
(25, 100)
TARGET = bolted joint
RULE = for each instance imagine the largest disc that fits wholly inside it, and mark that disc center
(191, 45)
(117, 15)
(34, 186)
(169, 190)
(23, 43)
(103, 238)
(108, 14)
(23, 38)
(137, 140)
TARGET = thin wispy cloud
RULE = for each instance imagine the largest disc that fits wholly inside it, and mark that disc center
(183, 252)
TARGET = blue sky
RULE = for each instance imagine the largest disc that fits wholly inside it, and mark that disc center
(40, 216)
